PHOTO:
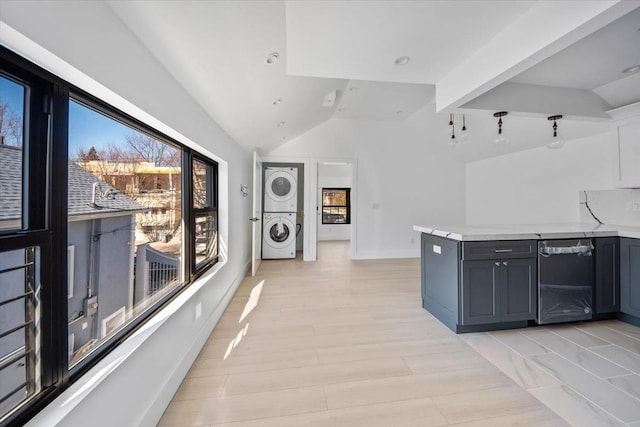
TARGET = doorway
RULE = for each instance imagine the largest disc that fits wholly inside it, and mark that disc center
(335, 219)
(300, 193)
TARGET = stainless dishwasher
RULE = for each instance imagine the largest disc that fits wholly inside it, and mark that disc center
(565, 280)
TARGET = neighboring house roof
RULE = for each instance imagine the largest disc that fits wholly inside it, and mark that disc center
(10, 182)
(80, 187)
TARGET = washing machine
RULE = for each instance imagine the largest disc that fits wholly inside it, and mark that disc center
(280, 189)
(279, 235)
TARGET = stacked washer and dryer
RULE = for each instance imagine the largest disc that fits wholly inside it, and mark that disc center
(279, 214)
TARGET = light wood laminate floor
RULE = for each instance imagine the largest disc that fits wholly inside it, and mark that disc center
(338, 342)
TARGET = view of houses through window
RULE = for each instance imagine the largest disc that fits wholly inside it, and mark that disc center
(19, 269)
(336, 206)
(127, 239)
(140, 217)
(204, 205)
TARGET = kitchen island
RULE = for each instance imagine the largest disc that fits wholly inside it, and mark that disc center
(478, 278)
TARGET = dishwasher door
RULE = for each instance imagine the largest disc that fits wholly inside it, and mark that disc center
(565, 280)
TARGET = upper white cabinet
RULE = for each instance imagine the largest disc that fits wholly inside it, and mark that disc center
(625, 133)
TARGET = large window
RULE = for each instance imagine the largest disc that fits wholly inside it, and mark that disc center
(103, 220)
(336, 206)
(124, 222)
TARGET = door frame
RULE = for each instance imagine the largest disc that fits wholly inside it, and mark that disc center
(256, 219)
(311, 207)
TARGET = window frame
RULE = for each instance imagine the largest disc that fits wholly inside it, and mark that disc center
(45, 223)
(200, 267)
(95, 355)
(347, 205)
(41, 225)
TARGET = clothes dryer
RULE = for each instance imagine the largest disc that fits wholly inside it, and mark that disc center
(279, 235)
(280, 189)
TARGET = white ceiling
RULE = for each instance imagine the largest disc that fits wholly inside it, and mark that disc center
(362, 40)
(369, 100)
(594, 61)
(595, 64)
(217, 51)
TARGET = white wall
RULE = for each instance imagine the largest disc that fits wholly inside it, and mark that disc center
(149, 367)
(333, 176)
(403, 177)
(538, 185)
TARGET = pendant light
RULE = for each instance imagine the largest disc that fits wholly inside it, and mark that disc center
(556, 141)
(452, 132)
(500, 138)
(464, 133)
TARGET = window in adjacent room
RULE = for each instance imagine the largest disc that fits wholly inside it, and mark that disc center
(336, 206)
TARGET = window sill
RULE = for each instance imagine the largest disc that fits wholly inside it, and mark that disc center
(63, 405)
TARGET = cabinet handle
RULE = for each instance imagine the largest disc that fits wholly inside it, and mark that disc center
(503, 251)
(505, 263)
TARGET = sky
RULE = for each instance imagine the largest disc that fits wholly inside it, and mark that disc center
(87, 128)
(13, 94)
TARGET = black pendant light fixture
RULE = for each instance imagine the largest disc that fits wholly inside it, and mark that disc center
(452, 132)
(464, 133)
(556, 140)
(500, 139)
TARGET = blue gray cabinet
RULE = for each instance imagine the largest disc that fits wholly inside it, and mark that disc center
(499, 290)
(630, 276)
(474, 286)
(518, 284)
(440, 278)
(480, 292)
(607, 270)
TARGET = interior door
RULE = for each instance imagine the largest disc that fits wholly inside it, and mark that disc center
(256, 221)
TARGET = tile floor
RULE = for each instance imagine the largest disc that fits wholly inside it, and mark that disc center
(588, 373)
(346, 343)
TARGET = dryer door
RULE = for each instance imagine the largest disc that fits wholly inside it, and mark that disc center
(281, 186)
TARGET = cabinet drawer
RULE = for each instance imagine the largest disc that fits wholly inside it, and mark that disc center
(500, 249)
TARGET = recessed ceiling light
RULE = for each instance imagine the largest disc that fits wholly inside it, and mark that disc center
(272, 58)
(280, 124)
(353, 88)
(399, 112)
(277, 101)
(631, 69)
(341, 109)
(403, 60)
(283, 138)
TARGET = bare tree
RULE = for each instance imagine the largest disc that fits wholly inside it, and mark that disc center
(10, 125)
(144, 148)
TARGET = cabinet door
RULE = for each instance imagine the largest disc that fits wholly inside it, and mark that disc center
(630, 276)
(518, 284)
(628, 148)
(480, 294)
(607, 284)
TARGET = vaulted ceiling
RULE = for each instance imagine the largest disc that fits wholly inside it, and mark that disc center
(343, 58)
(385, 60)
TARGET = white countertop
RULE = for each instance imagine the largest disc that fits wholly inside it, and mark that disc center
(463, 232)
